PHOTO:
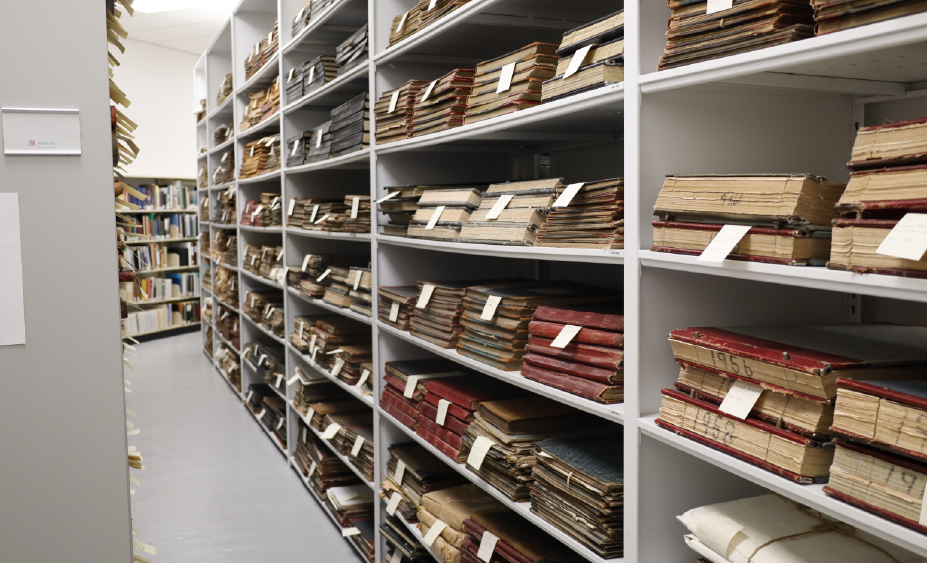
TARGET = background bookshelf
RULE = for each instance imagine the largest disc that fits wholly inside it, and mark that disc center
(791, 108)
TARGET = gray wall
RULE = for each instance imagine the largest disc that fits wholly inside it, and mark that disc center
(63, 471)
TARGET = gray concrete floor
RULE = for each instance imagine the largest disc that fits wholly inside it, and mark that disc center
(214, 488)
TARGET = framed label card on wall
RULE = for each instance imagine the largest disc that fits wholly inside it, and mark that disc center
(32, 131)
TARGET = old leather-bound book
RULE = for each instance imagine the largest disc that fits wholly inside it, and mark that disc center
(532, 415)
(901, 143)
(886, 192)
(855, 242)
(889, 413)
(519, 540)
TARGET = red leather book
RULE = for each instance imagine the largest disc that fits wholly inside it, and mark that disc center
(400, 386)
(912, 393)
(442, 446)
(468, 391)
(400, 416)
(453, 423)
(594, 390)
(609, 358)
(585, 336)
(452, 409)
(610, 318)
(428, 425)
(577, 369)
(399, 402)
(763, 384)
(519, 541)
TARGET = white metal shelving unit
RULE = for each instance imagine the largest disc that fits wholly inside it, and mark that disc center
(791, 108)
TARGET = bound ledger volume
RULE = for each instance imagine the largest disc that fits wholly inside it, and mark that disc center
(601, 46)
(402, 207)
(837, 15)
(404, 386)
(422, 473)
(225, 171)
(396, 305)
(455, 206)
(517, 222)
(352, 429)
(350, 127)
(222, 133)
(310, 76)
(266, 212)
(423, 14)
(593, 218)
(887, 183)
(790, 216)
(774, 529)
(319, 464)
(694, 35)
(401, 545)
(263, 104)
(443, 103)
(511, 82)
(260, 157)
(888, 414)
(312, 281)
(394, 111)
(437, 317)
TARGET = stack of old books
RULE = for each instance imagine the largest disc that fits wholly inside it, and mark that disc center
(229, 364)
(887, 183)
(261, 260)
(228, 327)
(257, 302)
(789, 214)
(350, 126)
(314, 277)
(396, 305)
(222, 133)
(590, 363)
(496, 316)
(268, 212)
(267, 362)
(294, 83)
(592, 218)
(348, 361)
(297, 147)
(365, 537)
(319, 464)
(405, 24)
(263, 104)
(225, 172)
(401, 545)
(516, 541)
(302, 18)
(225, 209)
(443, 103)
(511, 82)
(592, 57)
(224, 247)
(303, 213)
(357, 219)
(360, 283)
(312, 391)
(202, 178)
(263, 52)
(268, 408)
(226, 286)
(511, 213)
(698, 31)
(225, 89)
(260, 156)
(320, 144)
(419, 474)
(318, 335)
(437, 311)
(351, 434)
(499, 444)
(318, 72)
(452, 507)
(790, 375)
(579, 488)
(404, 387)
(341, 292)
(402, 207)
(449, 407)
(838, 15)
(772, 529)
(442, 213)
(352, 52)
(328, 217)
(350, 504)
(394, 112)
(316, 412)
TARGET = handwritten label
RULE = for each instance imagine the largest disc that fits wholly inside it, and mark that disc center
(434, 532)
(394, 312)
(715, 6)
(358, 444)
(478, 452)
(740, 399)
(490, 308)
(425, 296)
(393, 503)
(577, 61)
(567, 333)
(724, 242)
(505, 78)
(487, 546)
(501, 203)
(394, 99)
(434, 218)
(568, 194)
(907, 239)
(442, 411)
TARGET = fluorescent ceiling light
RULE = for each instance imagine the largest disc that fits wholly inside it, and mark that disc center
(154, 6)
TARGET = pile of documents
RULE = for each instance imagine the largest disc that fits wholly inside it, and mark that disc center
(789, 216)
(350, 127)
(222, 133)
(697, 33)
(226, 286)
(590, 215)
(224, 247)
(310, 75)
(225, 89)
(443, 103)
(437, 311)
(396, 305)
(263, 104)
(511, 213)
(225, 172)
(592, 57)
(268, 212)
(837, 15)
(267, 362)
(499, 443)
(420, 473)
(260, 156)
(511, 82)
(351, 434)
(401, 205)
(333, 340)
(297, 147)
(352, 52)
(449, 508)
(518, 541)
(394, 112)
(887, 188)
(442, 213)
(312, 391)
(263, 52)
(229, 364)
(579, 350)
(319, 464)
(303, 213)
(404, 387)
(579, 488)
(425, 13)
(315, 275)
(350, 504)
(357, 218)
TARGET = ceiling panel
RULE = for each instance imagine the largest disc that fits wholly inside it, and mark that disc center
(184, 30)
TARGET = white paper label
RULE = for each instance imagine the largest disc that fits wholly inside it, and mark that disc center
(717, 531)
(311, 75)
(354, 205)
(402, 22)
(723, 243)
(577, 61)
(347, 532)
(332, 429)
(292, 206)
(312, 342)
(478, 452)
(324, 275)
(505, 78)
(279, 380)
(442, 411)
(313, 355)
(425, 297)
(312, 468)
(280, 423)
(740, 399)
(358, 444)
(324, 217)
(400, 472)
(715, 6)
(292, 153)
(306, 261)
(261, 414)
(434, 532)
(336, 369)
(393, 504)
(432, 4)
(290, 76)
(396, 557)
(292, 380)
(501, 203)
(315, 210)
(434, 218)
(490, 308)
(487, 546)
(392, 101)
(318, 138)
(303, 435)
(907, 239)
(386, 197)
(568, 194)
(310, 413)
(431, 86)
(567, 333)
(394, 312)
(363, 378)
(248, 398)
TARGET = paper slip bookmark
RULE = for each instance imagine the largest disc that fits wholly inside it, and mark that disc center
(577, 61)
(723, 243)
(568, 194)
(394, 312)
(907, 239)
(478, 452)
(490, 308)
(434, 532)
(499, 206)
(567, 333)
(740, 399)
(505, 78)
(427, 290)
(487, 546)
(434, 218)
(442, 411)
(393, 504)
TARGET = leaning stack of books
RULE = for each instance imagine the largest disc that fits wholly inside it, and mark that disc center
(405, 24)
(443, 103)
(452, 507)
(318, 72)
(350, 126)
(261, 156)
(225, 89)
(789, 214)
(442, 213)
(225, 172)
(319, 464)
(887, 182)
(511, 82)
(311, 391)
(592, 218)
(510, 213)
(263, 104)
(360, 283)
(695, 33)
(351, 434)
(592, 57)
(394, 112)
(320, 144)
(396, 305)
(352, 52)
(578, 350)
(401, 545)
(296, 149)
(437, 311)
(404, 387)
(263, 52)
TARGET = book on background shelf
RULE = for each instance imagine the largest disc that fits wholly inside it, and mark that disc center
(162, 317)
(423, 14)
(224, 247)
(222, 133)
(350, 127)
(838, 15)
(601, 45)
(262, 53)
(260, 157)
(174, 196)
(225, 90)
(453, 207)
(353, 51)
(225, 171)
(262, 105)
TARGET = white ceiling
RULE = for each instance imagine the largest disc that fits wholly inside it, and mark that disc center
(189, 30)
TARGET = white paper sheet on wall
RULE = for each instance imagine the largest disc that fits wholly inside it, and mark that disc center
(12, 311)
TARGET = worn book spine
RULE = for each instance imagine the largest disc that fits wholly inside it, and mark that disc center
(441, 445)
(576, 369)
(875, 390)
(452, 409)
(505, 550)
(607, 358)
(575, 385)
(400, 416)
(445, 434)
(400, 385)
(585, 336)
(450, 390)
(452, 423)
(400, 403)
(613, 323)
